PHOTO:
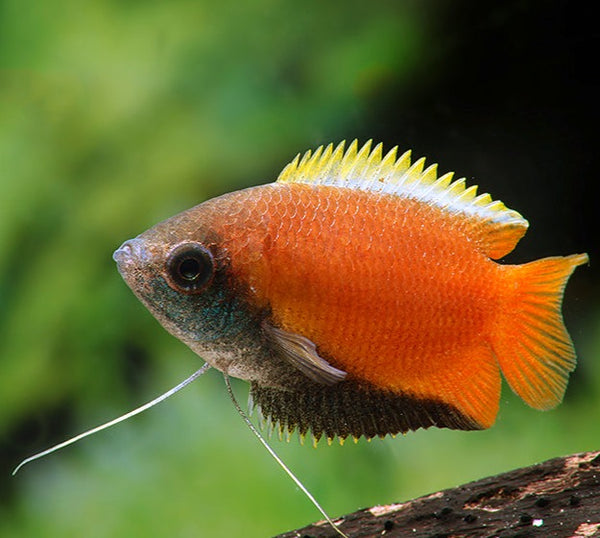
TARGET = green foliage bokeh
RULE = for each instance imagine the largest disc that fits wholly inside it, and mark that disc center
(114, 116)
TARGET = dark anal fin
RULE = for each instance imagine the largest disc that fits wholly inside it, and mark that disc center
(353, 409)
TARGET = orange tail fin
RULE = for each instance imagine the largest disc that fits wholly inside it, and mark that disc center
(531, 343)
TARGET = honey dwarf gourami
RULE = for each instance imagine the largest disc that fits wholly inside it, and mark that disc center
(359, 295)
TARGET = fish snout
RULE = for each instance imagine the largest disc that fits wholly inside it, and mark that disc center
(132, 252)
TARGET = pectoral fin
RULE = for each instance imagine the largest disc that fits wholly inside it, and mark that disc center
(302, 354)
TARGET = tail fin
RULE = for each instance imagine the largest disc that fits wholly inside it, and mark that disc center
(532, 345)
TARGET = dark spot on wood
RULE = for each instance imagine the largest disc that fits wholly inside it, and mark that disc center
(444, 512)
(574, 500)
(525, 519)
(470, 518)
(596, 461)
(388, 525)
(542, 502)
(425, 516)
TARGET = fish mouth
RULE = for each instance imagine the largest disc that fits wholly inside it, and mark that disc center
(131, 253)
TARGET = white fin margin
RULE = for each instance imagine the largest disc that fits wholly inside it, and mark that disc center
(369, 170)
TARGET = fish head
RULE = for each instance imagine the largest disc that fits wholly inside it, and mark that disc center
(180, 270)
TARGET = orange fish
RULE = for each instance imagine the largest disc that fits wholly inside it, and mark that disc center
(359, 296)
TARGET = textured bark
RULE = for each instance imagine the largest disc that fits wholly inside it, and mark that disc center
(556, 498)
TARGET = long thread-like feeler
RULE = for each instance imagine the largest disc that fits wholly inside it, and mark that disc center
(106, 425)
(278, 459)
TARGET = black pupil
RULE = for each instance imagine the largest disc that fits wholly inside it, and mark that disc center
(190, 269)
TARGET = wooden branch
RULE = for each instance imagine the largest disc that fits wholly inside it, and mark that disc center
(556, 498)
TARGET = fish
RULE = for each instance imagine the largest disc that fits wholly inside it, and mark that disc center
(360, 295)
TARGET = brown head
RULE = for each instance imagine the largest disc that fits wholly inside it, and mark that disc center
(181, 271)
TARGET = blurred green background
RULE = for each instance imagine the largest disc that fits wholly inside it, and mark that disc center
(115, 115)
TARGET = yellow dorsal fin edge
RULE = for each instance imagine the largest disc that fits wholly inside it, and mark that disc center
(370, 170)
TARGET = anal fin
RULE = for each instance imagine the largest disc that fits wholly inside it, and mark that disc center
(468, 379)
(355, 409)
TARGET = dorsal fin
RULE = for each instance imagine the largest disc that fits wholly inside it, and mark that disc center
(496, 228)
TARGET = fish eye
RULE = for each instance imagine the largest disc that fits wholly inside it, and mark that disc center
(190, 267)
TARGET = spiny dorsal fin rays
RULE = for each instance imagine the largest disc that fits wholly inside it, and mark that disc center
(499, 228)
